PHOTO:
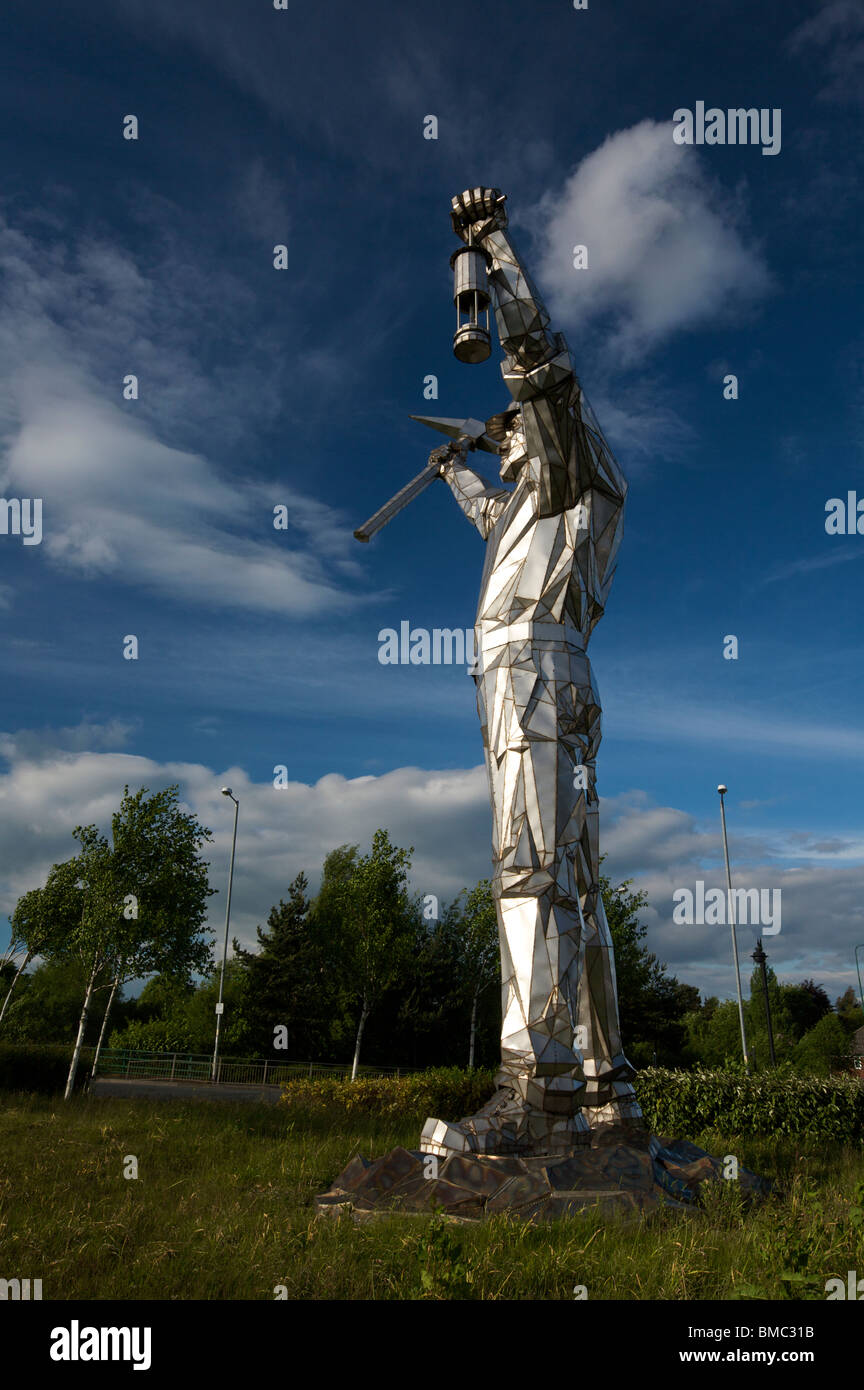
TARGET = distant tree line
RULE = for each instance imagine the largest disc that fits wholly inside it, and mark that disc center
(363, 971)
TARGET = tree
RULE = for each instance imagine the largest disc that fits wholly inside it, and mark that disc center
(427, 1018)
(714, 1033)
(198, 1014)
(155, 1021)
(849, 1010)
(823, 1049)
(144, 896)
(163, 995)
(284, 977)
(651, 1003)
(95, 937)
(480, 950)
(47, 1002)
(369, 922)
(44, 920)
(782, 1024)
(805, 1004)
(174, 1016)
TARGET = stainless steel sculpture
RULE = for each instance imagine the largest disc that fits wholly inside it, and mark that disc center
(551, 542)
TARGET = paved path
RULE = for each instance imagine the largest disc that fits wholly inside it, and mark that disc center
(183, 1090)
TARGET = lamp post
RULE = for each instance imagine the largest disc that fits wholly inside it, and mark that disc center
(760, 958)
(220, 1007)
(858, 969)
(722, 790)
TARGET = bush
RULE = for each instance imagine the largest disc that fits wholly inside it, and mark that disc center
(679, 1103)
(156, 1035)
(40, 1066)
(734, 1102)
(445, 1092)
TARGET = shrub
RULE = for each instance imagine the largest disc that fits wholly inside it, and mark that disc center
(40, 1066)
(734, 1102)
(446, 1092)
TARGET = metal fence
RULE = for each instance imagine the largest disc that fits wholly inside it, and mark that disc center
(240, 1071)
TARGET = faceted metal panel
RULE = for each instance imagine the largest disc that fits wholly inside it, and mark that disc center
(551, 543)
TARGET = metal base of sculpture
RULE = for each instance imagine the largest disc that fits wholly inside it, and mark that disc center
(607, 1178)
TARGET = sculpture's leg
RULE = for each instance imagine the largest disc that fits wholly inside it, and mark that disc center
(536, 884)
(608, 1095)
(541, 718)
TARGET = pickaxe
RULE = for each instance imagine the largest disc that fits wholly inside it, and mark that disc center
(470, 432)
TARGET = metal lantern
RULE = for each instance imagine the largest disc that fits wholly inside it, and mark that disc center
(471, 342)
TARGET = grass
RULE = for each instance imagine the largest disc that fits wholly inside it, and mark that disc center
(222, 1209)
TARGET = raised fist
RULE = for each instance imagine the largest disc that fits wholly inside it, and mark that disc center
(478, 211)
(446, 453)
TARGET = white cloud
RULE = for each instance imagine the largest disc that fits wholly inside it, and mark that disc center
(665, 247)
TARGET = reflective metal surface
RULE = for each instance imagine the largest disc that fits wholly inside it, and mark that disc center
(551, 542)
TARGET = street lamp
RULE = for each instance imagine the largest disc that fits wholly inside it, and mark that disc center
(858, 968)
(760, 958)
(722, 790)
(220, 1007)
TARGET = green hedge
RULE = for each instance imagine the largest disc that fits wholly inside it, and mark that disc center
(445, 1092)
(41, 1066)
(685, 1102)
(675, 1103)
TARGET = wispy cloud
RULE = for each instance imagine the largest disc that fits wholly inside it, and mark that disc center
(807, 564)
(836, 32)
(121, 499)
(695, 721)
(35, 745)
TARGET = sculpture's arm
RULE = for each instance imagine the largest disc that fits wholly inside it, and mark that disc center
(479, 499)
(538, 368)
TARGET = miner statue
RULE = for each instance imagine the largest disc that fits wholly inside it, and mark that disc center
(552, 528)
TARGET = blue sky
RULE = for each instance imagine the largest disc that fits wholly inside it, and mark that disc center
(261, 387)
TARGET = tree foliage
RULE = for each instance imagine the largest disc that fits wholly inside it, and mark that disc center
(368, 922)
(651, 1002)
(286, 980)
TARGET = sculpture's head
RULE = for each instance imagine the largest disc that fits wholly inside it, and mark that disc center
(509, 432)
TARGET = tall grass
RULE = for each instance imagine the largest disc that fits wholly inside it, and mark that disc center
(223, 1209)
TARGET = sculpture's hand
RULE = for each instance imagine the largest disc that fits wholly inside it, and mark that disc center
(480, 211)
(439, 458)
